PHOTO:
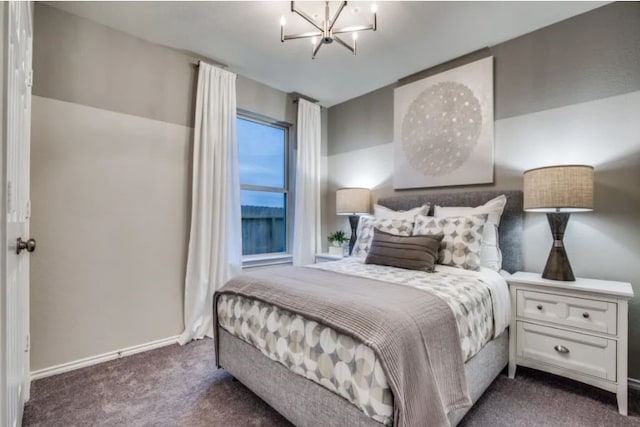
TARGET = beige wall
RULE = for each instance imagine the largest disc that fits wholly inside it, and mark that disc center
(568, 93)
(111, 150)
(109, 203)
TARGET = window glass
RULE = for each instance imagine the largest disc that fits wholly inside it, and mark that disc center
(264, 222)
(262, 149)
(262, 153)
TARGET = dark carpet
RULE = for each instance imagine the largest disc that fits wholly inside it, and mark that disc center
(179, 386)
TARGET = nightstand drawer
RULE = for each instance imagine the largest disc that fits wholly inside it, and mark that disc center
(568, 350)
(588, 314)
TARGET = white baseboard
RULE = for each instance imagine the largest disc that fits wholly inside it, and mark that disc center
(100, 358)
(633, 383)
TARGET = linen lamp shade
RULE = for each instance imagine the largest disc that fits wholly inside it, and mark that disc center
(567, 188)
(558, 191)
(352, 201)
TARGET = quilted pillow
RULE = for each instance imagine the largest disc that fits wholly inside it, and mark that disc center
(490, 254)
(382, 212)
(409, 252)
(462, 241)
(367, 224)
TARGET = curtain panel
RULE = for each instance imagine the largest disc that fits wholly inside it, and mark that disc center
(215, 241)
(306, 227)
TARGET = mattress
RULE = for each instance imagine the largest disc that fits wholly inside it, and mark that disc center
(479, 301)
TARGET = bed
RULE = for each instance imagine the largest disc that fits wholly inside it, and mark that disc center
(308, 403)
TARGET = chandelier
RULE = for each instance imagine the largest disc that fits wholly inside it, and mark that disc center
(326, 33)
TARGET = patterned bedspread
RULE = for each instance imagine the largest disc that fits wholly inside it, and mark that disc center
(336, 361)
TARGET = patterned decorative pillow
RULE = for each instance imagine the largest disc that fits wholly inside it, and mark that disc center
(490, 254)
(462, 241)
(398, 227)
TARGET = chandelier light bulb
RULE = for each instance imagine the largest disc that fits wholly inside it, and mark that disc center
(374, 8)
(314, 40)
(282, 21)
(355, 36)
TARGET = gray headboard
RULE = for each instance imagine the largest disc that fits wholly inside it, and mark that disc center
(510, 230)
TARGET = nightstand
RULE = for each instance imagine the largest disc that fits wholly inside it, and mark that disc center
(325, 257)
(574, 329)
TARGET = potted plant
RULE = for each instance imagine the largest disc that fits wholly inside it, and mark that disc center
(337, 239)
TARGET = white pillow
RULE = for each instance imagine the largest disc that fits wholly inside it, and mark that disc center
(490, 255)
(381, 212)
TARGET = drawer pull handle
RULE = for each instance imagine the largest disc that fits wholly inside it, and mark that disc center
(561, 349)
(539, 307)
(585, 315)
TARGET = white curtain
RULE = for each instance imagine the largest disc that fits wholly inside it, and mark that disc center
(215, 242)
(306, 228)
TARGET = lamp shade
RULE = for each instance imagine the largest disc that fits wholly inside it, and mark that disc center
(565, 188)
(352, 201)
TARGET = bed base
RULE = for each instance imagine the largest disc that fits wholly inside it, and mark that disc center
(305, 403)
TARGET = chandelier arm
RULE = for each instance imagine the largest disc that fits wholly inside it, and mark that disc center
(335, 17)
(302, 35)
(316, 48)
(306, 17)
(345, 44)
(353, 29)
(326, 31)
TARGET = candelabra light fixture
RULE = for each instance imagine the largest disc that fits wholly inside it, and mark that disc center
(326, 33)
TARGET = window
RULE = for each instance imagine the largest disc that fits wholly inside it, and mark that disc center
(263, 149)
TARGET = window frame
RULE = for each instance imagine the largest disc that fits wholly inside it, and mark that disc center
(271, 258)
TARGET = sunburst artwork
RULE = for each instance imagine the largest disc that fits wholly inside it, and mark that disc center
(443, 128)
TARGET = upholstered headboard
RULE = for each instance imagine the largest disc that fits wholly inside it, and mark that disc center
(509, 232)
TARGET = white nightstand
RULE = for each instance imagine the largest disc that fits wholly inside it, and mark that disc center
(326, 257)
(574, 329)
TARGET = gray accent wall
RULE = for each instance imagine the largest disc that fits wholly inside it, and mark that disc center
(111, 174)
(591, 56)
(567, 93)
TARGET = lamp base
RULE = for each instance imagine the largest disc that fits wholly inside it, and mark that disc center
(353, 221)
(558, 266)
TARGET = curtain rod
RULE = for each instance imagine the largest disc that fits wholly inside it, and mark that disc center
(296, 99)
(217, 64)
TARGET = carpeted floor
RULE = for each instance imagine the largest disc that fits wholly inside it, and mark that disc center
(179, 386)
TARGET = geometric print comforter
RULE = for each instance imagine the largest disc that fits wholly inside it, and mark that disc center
(339, 363)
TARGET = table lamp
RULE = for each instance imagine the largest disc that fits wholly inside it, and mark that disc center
(558, 191)
(352, 202)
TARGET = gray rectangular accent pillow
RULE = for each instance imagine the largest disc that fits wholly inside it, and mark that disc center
(410, 252)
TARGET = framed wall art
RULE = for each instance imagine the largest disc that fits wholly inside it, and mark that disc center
(443, 128)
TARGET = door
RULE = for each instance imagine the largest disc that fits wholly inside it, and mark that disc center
(15, 295)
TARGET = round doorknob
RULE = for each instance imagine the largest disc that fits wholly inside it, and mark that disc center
(29, 245)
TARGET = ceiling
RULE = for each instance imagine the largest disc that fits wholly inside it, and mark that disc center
(245, 35)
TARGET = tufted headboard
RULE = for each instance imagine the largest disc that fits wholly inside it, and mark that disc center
(509, 231)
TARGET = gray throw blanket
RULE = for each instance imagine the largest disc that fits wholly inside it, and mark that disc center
(412, 332)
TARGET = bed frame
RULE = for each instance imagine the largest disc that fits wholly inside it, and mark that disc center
(306, 403)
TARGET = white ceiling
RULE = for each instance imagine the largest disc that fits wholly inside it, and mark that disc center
(245, 35)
